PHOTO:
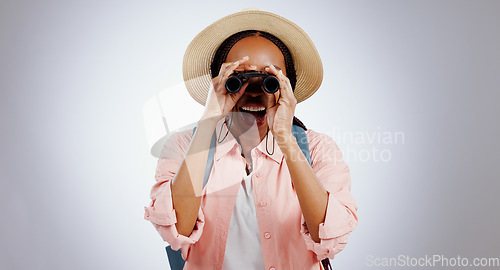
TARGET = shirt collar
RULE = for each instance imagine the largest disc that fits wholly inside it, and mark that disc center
(229, 143)
(226, 144)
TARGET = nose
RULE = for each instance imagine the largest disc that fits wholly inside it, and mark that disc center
(254, 92)
(254, 87)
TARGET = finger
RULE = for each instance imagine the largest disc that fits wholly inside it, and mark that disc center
(229, 67)
(243, 67)
(272, 99)
(226, 70)
(236, 64)
(286, 87)
(222, 77)
(285, 90)
(238, 94)
(273, 70)
(229, 64)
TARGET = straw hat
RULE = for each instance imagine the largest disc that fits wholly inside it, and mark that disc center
(200, 52)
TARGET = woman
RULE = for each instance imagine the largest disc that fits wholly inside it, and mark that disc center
(264, 206)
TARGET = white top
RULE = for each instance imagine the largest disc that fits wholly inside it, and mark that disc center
(243, 248)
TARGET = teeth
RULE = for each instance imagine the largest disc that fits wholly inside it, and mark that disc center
(253, 109)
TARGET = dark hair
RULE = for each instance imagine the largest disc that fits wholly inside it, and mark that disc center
(221, 53)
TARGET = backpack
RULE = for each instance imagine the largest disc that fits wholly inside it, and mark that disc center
(175, 256)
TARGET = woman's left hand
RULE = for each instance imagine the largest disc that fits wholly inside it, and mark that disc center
(280, 114)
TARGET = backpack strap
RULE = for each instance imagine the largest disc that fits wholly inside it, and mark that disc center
(175, 259)
(301, 137)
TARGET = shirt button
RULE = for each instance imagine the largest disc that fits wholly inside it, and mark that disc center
(272, 268)
(257, 175)
(351, 223)
(263, 204)
(267, 235)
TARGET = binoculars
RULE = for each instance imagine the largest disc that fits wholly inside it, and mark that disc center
(270, 84)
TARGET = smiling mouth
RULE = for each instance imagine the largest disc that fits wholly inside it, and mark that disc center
(253, 114)
(253, 109)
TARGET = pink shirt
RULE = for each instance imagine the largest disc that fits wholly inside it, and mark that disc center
(285, 239)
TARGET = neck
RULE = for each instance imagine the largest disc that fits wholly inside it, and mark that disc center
(248, 139)
(247, 144)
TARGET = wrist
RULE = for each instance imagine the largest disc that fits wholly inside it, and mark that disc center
(286, 141)
(209, 121)
(291, 151)
(210, 117)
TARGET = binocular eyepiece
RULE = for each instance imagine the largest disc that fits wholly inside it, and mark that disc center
(270, 84)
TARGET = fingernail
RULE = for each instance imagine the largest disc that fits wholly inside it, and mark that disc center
(245, 58)
(236, 63)
(252, 66)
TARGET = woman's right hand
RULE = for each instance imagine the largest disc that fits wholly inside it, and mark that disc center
(219, 102)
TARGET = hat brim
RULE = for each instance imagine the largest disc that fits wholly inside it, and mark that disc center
(200, 52)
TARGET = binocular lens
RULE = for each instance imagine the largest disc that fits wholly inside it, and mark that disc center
(233, 85)
(270, 84)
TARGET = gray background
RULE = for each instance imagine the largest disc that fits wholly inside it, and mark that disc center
(75, 166)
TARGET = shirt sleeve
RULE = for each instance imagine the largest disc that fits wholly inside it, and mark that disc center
(160, 211)
(341, 218)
